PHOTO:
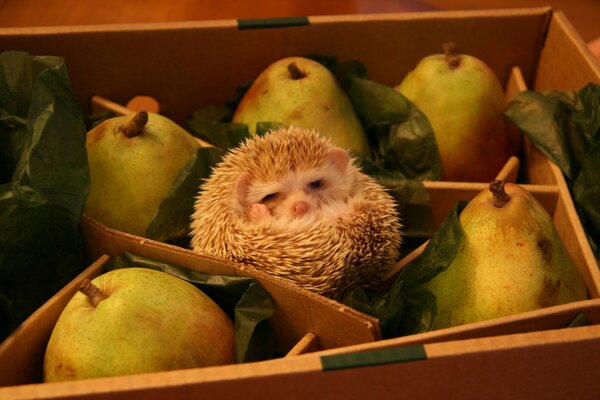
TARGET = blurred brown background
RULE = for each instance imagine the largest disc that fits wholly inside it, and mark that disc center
(583, 14)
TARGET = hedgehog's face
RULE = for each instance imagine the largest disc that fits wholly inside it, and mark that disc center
(300, 193)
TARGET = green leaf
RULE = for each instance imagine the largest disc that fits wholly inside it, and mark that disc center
(263, 127)
(412, 199)
(586, 195)
(545, 119)
(586, 188)
(242, 298)
(209, 124)
(95, 119)
(171, 224)
(344, 71)
(565, 126)
(407, 307)
(254, 338)
(402, 138)
(45, 181)
(404, 151)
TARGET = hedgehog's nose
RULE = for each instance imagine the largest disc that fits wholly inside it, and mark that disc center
(300, 208)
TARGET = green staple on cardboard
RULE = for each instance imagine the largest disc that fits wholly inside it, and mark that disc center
(373, 357)
(261, 23)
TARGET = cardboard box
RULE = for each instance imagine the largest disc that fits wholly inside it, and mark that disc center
(206, 61)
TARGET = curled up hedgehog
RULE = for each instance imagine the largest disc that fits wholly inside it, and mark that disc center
(295, 206)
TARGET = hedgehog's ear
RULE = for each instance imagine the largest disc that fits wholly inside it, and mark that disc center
(339, 159)
(241, 188)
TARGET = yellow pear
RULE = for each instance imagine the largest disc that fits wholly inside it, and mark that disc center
(511, 260)
(136, 320)
(133, 162)
(463, 100)
(304, 93)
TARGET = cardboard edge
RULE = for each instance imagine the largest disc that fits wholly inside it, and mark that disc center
(313, 19)
(446, 14)
(234, 23)
(111, 28)
(574, 232)
(303, 376)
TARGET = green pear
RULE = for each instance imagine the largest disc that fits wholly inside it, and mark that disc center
(304, 93)
(137, 320)
(464, 102)
(511, 260)
(133, 162)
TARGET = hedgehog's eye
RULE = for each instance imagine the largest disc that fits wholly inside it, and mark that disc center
(268, 197)
(315, 184)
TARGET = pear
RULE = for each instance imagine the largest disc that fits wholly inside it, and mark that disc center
(464, 102)
(137, 320)
(511, 260)
(304, 93)
(133, 162)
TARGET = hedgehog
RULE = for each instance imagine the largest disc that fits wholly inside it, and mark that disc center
(296, 206)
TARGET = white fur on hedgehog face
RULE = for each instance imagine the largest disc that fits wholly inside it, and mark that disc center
(299, 196)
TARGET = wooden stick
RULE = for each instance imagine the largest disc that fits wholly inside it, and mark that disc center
(308, 344)
(509, 172)
(396, 268)
(100, 103)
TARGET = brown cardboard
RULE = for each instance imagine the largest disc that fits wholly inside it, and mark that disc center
(564, 43)
(189, 64)
(554, 362)
(529, 354)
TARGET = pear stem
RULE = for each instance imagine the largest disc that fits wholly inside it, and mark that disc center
(135, 126)
(499, 194)
(92, 292)
(295, 71)
(452, 57)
